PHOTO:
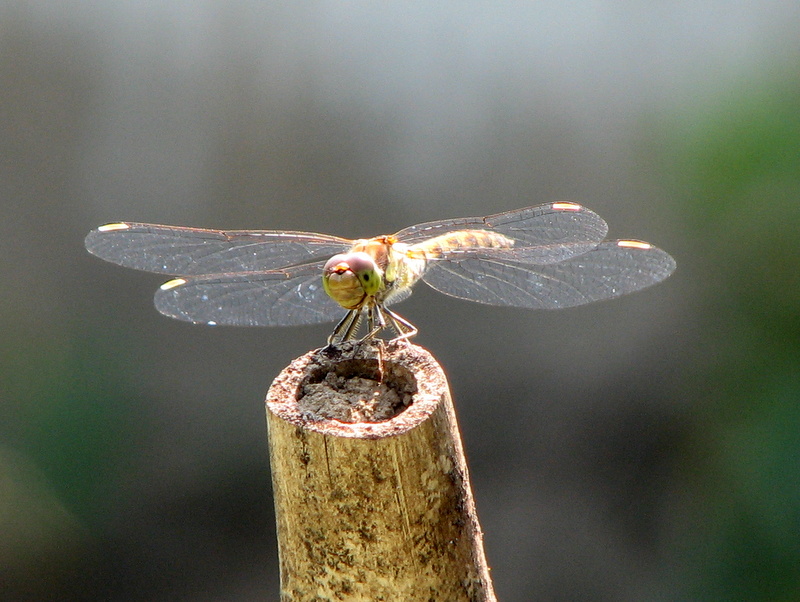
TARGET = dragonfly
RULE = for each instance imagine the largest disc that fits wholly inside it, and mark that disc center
(548, 256)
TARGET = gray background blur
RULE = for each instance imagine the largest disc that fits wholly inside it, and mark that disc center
(646, 448)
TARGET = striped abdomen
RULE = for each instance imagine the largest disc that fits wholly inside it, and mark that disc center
(463, 240)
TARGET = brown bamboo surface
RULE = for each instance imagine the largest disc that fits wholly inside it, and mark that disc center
(371, 488)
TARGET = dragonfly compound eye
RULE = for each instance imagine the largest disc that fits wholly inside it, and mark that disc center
(349, 278)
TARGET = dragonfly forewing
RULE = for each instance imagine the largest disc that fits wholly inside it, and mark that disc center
(190, 251)
(545, 234)
(288, 297)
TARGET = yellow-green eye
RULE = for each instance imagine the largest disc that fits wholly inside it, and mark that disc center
(349, 278)
(369, 280)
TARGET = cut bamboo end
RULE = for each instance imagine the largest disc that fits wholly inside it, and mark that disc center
(360, 391)
(371, 488)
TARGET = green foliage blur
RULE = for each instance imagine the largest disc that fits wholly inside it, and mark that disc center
(736, 167)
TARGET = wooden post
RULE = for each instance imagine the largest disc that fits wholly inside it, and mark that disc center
(372, 494)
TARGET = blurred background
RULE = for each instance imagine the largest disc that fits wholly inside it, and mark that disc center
(645, 448)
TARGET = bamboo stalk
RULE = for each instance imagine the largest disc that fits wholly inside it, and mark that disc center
(377, 510)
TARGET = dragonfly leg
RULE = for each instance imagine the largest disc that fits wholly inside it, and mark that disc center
(352, 329)
(346, 328)
(339, 327)
(405, 329)
(376, 322)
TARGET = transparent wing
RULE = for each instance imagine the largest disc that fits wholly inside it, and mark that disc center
(191, 251)
(611, 269)
(286, 297)
(544, 234)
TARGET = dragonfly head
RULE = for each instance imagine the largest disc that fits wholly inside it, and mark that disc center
(350, 278)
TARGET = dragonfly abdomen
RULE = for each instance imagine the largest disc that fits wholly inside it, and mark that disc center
(463, 240)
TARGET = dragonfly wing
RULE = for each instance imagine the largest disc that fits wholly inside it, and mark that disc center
(190, 251)
(611, 269)
(544, 234)
(287, 297)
